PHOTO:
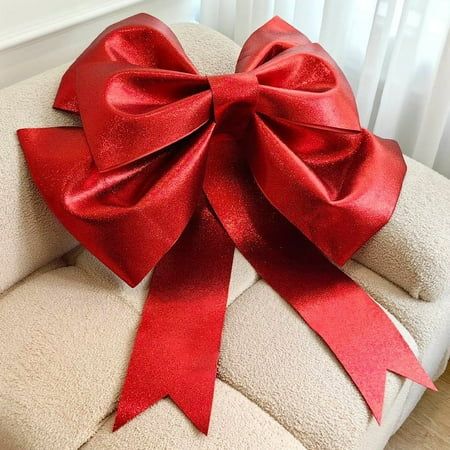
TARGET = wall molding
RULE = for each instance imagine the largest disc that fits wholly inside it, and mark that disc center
(70, 18)
(54, 41)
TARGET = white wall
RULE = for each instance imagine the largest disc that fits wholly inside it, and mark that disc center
(36, 35)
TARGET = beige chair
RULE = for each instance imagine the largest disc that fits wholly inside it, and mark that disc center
(67, 323)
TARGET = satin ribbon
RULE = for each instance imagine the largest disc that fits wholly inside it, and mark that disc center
(171, 170)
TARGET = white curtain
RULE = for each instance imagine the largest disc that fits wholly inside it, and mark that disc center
(395, 54)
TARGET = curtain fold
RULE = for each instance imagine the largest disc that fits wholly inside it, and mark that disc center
(395, 54)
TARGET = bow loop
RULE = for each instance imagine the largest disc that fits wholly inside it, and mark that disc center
(140, 40)
(326, 183)
(305, 86)
(150, 201)
(299, 81)
(138, 111)
(274, 37)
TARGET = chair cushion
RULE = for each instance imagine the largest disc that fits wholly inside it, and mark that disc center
(243, 275)
(65, 339)
(274, 358)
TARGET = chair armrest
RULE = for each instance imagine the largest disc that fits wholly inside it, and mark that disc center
(31, 236)
(413, 249)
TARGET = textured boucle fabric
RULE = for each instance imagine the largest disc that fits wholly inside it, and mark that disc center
(65, 340)
(274, 358)
(413, 249)
(31, 236)
(211, 52)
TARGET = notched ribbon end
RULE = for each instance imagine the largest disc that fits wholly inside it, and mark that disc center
(200, 419)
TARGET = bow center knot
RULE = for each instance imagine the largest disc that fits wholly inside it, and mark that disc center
(234, 100)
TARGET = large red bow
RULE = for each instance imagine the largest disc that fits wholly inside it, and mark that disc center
(172, 169)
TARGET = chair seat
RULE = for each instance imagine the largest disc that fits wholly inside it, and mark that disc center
(65, 338)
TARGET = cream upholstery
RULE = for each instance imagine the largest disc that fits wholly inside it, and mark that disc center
(413, 249)
(64, 342)
(65, 338)
(275, 359)
(428, 322)
(31, 237)
(66, 330)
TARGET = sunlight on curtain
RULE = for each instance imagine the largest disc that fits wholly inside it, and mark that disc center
(395, 54)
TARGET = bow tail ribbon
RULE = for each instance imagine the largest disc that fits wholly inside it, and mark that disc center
(176, 348)
(177, 345)
(353, 326)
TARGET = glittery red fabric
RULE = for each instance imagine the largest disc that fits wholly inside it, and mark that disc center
(171, 170)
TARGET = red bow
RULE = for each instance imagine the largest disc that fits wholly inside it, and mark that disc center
(172, 169)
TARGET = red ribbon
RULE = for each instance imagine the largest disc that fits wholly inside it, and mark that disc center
(172, 169)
